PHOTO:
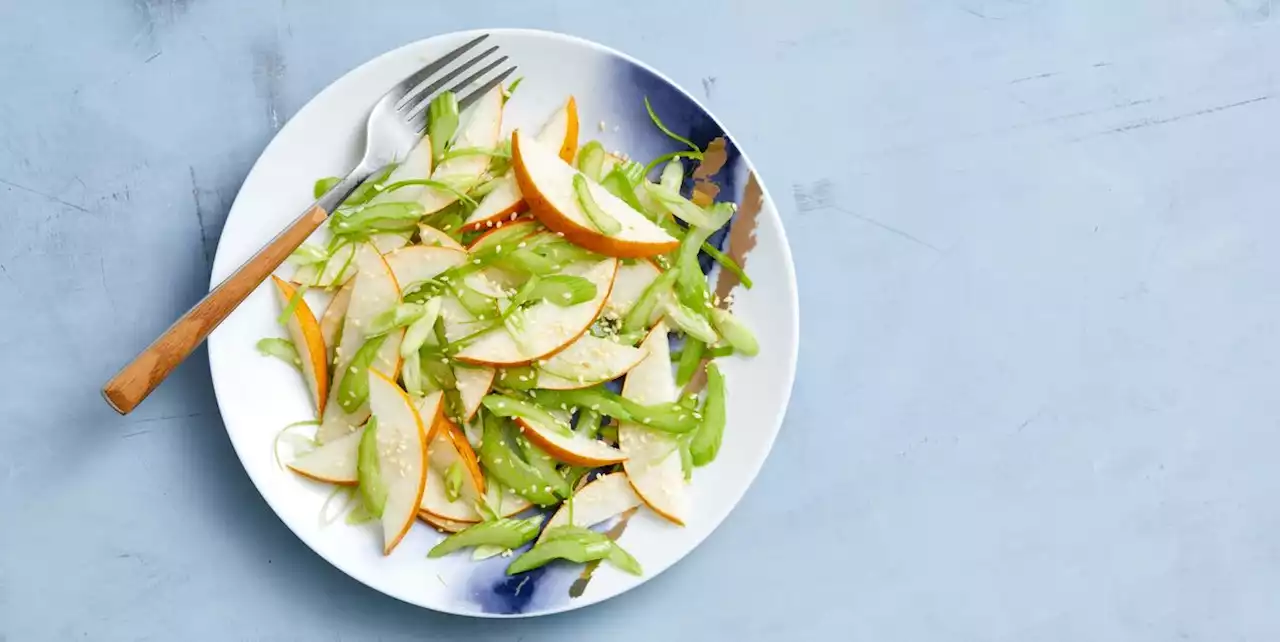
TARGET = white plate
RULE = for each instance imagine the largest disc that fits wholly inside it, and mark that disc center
(259, 395)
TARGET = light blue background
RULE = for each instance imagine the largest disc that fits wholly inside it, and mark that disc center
(1038, 244)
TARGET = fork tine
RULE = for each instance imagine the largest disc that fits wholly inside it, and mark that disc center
(476, 76)
(419, 122)
(484, 89)
(420, 99)
(406, 86)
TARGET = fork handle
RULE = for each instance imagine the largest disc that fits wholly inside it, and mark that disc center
(137, 379)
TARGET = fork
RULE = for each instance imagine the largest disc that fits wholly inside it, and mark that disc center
(395, 124)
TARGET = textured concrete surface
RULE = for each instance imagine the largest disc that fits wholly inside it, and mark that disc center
(1037, 243)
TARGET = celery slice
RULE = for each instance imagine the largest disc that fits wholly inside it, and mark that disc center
(706, 441)
(282, 349)
(373, 489)
(591, 160)
(599, 218)
(442, 122)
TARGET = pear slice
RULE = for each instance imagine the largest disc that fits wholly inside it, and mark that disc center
(401, 442)
(415, 166)
(374, 292)
(574, 448)
(586, 362)
(633, 279)
(562, 127)
(653, 458)
(412, 266)
(449, 446)
(444, 525)
(548, 328)
(505, 201)
(333, 463)
(388, 242)
(432, 237)
(546, 181)
(602, 498)
(473, 384)
(305, 333)
(481, 128)
(334, 313)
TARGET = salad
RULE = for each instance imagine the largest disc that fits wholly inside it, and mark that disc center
(495, 358)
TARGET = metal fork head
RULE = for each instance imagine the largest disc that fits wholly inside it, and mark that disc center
(400, 116)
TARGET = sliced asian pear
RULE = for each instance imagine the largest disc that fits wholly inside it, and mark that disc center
(522, 229)
(305, 333)
(547, 184)
(567, 445)
(415, 166)
(444, 525)
(374, 291)
(402, 456)
(412, 266)
(562, 129)
(604, 497)
(481, 128)
(503, 203)
(430, 409)
(388, 242)
(333, 463)
(432, 237)
(474, 382)
(653, 457)
(633, 279)
(546, 328)
(334, 313)
(506, 201)
(588, 361)
(449, 447)
(503, 501)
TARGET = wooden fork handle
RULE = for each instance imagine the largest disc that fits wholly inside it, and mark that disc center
(137, 379)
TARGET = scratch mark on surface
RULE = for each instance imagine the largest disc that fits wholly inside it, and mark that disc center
(1080, 114)
(43, 195)
(135, 433)
(811, 197)
(1152, 122)
(152, 57)
(975, 12)
(889, 228)
(1049, 74)
(102, 276)
(163, 418)
(708, 84)
(1032, 419)
(907, 450)
(195, 196)
(268, 71)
